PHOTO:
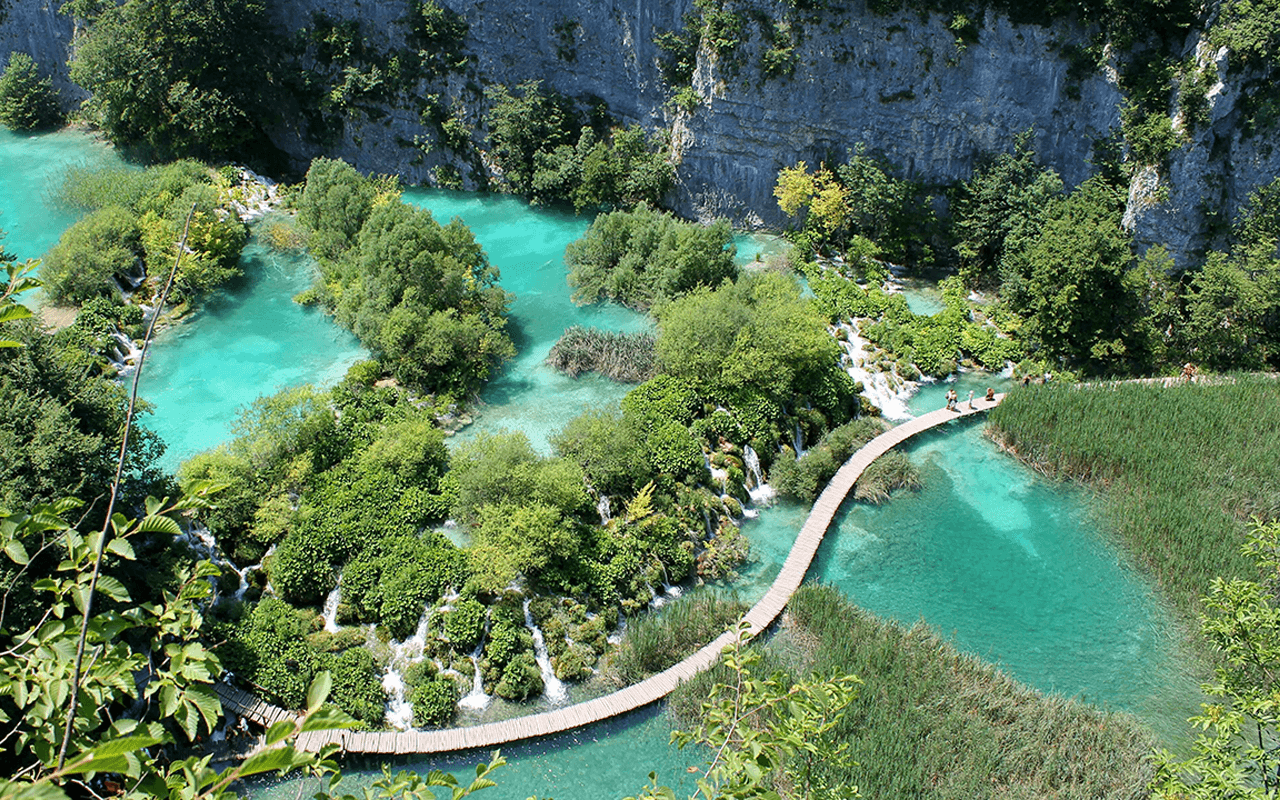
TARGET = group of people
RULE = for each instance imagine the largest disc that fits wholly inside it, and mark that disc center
(953, 398)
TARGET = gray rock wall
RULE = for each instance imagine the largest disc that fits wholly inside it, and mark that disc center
(36, 28)
(899, 84)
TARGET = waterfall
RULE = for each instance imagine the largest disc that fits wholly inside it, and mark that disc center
(889, 391)
(762, 494)
(330, 611)
(204, 545)
(125, 353)
(555, 690)
(476, 698)
(399, 709)
(603, 509)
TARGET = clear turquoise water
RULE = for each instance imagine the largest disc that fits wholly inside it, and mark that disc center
(1004, 562)
(31, 171)
(245, 342)
(527, 246)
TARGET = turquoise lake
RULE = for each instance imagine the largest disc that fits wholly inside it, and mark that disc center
(1006, 564)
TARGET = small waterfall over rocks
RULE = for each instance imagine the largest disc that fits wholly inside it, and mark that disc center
(603, 509)
(889, 391)
(555, 690)
(476, 699)
(762, 494)
(403, 654)
(330, 611)
(125, 353)
(204, 544)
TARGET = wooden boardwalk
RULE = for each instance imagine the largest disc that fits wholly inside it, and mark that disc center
(652, 689)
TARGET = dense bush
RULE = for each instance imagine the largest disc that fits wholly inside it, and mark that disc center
(544, 152)
(92, 254)
(131, 234)
(27, 101)
(421, 296)
(640, 257)
(759, 334)
(187, 77)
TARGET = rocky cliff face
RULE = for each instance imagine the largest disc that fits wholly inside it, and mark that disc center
(35, 27)
(903, 85)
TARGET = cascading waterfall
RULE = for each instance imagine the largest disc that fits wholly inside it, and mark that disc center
(124, 355)
(890, 396)
(204, 544)
(476, 699)
(399, 709)
(330, 611)
(554, 688)
(762, 494)
(603, 509)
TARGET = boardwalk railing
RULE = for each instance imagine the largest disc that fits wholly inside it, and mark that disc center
(652, 689)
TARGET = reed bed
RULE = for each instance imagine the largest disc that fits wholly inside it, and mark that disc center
(1181, 469)
(625, 357)
(932, 722)
(657, 641)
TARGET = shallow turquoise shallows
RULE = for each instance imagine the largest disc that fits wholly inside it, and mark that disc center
(245, 342)
(527, 246)
(31, 172)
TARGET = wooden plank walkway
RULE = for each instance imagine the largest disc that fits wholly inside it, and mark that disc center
(652, 689)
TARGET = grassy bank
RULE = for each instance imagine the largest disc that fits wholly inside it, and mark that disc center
(655, 642)
(1182, 469)
(931, 722)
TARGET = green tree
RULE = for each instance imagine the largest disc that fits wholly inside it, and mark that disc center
(1237, 752)
(524, 122)
(27, 101)
(643, 256)
(1001, 206)
(183, 77)
(1068, 282)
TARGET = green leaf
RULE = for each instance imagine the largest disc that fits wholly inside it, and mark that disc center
(13, 790)
(319, 690)
(280, 731)
(328, 718)
(16, 552)
(275, 759)
(159, 524)
(122, 548)
(113, 588)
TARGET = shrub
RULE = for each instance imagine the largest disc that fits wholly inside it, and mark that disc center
(642, 256)
(27, 101)
(626, 357)
(98, 248)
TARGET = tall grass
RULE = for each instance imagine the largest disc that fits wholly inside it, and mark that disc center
(931, 722)
(655, 642)
(1182, 469)
(627, 357)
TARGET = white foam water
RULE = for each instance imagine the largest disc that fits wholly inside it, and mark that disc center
(554, 690)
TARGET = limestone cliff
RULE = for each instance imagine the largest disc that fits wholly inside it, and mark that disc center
(904, 85)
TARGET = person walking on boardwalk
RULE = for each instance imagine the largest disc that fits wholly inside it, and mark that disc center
(991, 395)
(951, 399)
(970, 399)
